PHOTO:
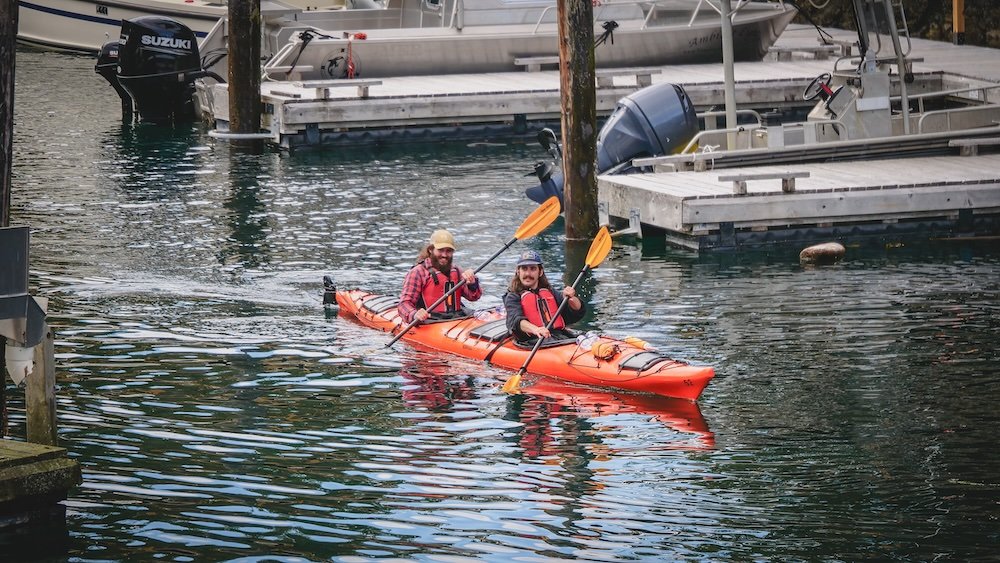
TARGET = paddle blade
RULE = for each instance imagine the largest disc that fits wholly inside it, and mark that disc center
(540, 218)
(513, 385)
(600, 248)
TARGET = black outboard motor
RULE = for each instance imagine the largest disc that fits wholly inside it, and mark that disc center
(107, 66)
(158, 61)
(650, 122)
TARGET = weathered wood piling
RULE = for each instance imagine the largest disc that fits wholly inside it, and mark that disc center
(579, 117)
(8, 42)
(244, 70)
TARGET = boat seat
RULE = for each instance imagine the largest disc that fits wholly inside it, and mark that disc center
(493, 331)
(550, 342)
(643, 76)
(643, 361)
(534, 64)
(380, 304)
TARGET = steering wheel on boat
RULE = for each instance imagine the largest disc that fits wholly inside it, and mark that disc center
(818, 86)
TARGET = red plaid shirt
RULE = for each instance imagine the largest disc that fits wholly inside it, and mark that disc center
(413, 288)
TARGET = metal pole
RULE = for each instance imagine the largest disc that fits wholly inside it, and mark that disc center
(904, 101)
(730, 75)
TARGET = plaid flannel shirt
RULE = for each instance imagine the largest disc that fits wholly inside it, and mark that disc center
(417, 278)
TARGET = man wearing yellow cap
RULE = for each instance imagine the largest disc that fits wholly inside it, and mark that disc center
(433, 276)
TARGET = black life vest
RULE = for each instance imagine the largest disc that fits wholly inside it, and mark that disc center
(539, 306)
(438, 286)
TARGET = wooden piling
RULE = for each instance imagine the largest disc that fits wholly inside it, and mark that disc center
(8, 45)
(579, 117)
(244, 68)
(40, 394)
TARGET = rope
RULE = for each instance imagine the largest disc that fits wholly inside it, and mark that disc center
(609, 33)
(306, 36)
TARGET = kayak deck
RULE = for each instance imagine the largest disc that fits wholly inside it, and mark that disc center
(628, 367)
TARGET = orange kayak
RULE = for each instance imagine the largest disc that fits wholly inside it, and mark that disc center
(623, 365)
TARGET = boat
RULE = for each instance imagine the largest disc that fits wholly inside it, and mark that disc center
(871, 105)
(427, 37)
(83, 26)
(433, 37)
(622, 365)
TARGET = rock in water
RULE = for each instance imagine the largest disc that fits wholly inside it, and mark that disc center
(826, 253)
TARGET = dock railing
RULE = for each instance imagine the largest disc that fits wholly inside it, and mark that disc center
(648, 9)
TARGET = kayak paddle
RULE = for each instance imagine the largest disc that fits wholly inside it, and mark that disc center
(599, 250)
(541, 217)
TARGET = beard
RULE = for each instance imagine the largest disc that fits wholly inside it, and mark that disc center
(442, 263)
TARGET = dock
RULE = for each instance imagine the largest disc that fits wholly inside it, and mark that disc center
(762, 206)
(34, 478)
(407, 109)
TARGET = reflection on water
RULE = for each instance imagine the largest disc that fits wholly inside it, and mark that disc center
(220, 414)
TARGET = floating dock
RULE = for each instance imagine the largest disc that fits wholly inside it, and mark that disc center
(34, 478)
(516, 104)
(884, 188)
(504, 104)
(511, 104)
(762, 206)
(747, 204)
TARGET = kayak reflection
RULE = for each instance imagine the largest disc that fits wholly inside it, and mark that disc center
(553, 415)
(548, 399)
(432, 385)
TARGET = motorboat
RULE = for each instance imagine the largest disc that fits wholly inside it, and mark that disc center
(83, 26)
(871, 105)
(434, 37)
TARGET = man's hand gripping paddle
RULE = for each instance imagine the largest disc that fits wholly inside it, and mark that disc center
(599, 250)
(540, 218)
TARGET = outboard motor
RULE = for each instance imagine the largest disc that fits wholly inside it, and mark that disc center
(107, 67)
(653, 121)
(158, 61)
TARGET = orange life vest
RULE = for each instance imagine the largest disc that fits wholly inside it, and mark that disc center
(539, 306)
(438, 286)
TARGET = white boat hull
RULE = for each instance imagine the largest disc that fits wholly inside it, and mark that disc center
(82, 26)
(386, 52)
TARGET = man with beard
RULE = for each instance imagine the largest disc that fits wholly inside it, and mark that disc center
(433, 276)
(530, 302)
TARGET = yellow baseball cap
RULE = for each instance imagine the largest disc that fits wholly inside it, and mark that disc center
(442, 239)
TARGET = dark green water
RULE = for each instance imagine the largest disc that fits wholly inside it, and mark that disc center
(220, 414)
